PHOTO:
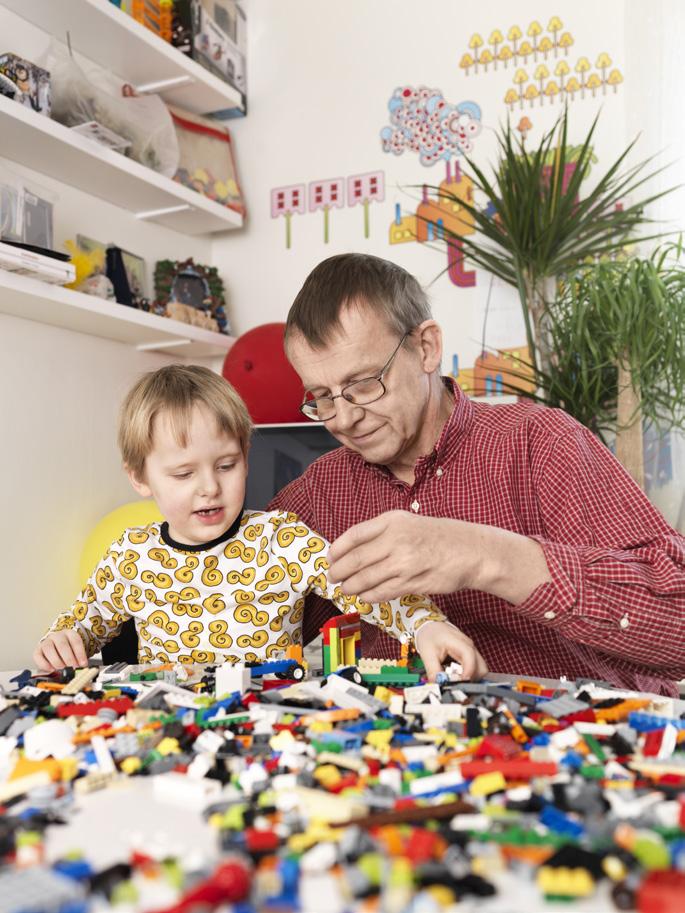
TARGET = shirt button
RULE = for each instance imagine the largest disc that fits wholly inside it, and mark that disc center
(415, 506)
(624, 622)
(550, 615)
(438, 471)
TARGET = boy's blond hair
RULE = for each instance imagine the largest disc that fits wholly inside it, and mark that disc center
(175, 389)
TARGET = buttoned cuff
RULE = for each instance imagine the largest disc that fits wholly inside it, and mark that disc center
(554, 602)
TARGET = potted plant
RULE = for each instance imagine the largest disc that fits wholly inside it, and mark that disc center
(617, 336)
(537, 227)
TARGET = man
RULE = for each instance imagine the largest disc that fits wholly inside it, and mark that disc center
(527, 532)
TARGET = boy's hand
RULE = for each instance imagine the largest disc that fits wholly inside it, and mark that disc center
(436, 641)
(63, 648)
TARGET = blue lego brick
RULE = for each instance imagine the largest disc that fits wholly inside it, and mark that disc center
(556, 821)
(647, 722)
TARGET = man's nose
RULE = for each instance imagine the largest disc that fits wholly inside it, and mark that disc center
(347, 415)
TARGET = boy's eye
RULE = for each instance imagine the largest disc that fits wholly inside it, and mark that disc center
(181, 475)
(227, 466)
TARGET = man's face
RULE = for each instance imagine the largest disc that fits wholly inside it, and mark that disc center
(199, 488)
(386, 431)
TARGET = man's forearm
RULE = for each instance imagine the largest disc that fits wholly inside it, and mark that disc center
(506, 564)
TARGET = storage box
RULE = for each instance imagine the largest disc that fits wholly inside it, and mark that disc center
(25, 82)
(220, 39)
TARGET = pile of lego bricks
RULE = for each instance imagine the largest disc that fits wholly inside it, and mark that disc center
(327, 795)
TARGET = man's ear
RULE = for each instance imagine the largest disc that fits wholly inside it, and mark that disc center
(429, 335)
(139, 485)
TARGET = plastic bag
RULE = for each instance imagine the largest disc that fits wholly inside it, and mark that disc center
(82, 91)
(206, 163)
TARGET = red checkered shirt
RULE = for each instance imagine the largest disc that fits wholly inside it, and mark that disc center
(615, 607)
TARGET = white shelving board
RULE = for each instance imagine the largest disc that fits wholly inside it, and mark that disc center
(50, 148)
(62, 307)
(101, 32)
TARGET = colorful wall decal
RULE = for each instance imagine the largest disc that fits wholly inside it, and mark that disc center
(535, 52)
(439, 216)
(424, 122)
(284, 202)
(324, 195)
(496, 373)
(494, 51)
(364, 188)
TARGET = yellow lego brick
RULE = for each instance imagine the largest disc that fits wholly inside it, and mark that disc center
(485, 784)
(379, 738)
(168, 746)
(130, 765)
(383, 694)
(565, 882)
(327, 775)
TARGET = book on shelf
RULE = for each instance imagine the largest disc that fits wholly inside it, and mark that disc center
(35, 266)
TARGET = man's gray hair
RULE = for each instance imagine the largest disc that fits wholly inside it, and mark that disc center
(356, 279)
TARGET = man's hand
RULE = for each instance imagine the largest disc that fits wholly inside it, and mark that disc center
(436, 641)
(63, 648)
(398, 553)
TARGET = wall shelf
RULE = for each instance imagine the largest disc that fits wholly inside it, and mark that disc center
(50, 148)
(62, 307)
(113, 39)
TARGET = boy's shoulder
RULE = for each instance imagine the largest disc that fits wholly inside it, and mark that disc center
(135, 536)
(265, 520)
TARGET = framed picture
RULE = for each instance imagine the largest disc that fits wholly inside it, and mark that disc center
(135, 273)
(192, 293)
(89, 246)
(11, 195)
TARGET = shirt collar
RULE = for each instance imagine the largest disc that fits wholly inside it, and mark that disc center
(204, 546)
(457, 427)
(453, 434)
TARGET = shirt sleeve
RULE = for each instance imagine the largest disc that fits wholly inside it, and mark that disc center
(303, 554)
(617, 567)
(298, 498)
(100, 609)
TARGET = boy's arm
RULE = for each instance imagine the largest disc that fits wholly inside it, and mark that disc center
(303, 554)
(95, 616)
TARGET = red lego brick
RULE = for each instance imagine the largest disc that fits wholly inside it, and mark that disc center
(662, 892)
(522, 769)
(120, 705)
(498, 746)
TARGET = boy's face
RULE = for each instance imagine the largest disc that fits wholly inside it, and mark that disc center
(199, 488)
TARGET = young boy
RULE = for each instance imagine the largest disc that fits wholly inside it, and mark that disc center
(214, 582)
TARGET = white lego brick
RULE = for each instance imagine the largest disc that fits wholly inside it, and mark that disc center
(392, 777)
(180, 789)
(417, 694)
(415, 753)
(231, 677)
(53, 738)
(103, 757)
(396, 705)
(422, 785)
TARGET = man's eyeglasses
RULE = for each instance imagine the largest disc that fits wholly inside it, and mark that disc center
(359, 393)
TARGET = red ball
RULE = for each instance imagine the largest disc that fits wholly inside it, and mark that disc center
(258, 369)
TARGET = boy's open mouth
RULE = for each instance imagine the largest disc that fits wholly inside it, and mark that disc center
(209, 512)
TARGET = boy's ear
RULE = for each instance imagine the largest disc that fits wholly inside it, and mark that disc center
(139, 485)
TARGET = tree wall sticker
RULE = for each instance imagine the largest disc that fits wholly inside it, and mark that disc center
(364, 189)
(285, 201)
(324, 195)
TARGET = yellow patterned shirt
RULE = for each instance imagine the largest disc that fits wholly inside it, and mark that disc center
(240, 599)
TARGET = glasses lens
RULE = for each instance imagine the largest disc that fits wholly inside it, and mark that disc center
(318, 409)
(364, 391)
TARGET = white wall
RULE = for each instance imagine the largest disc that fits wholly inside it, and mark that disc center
(59, 396)
(319, 79)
